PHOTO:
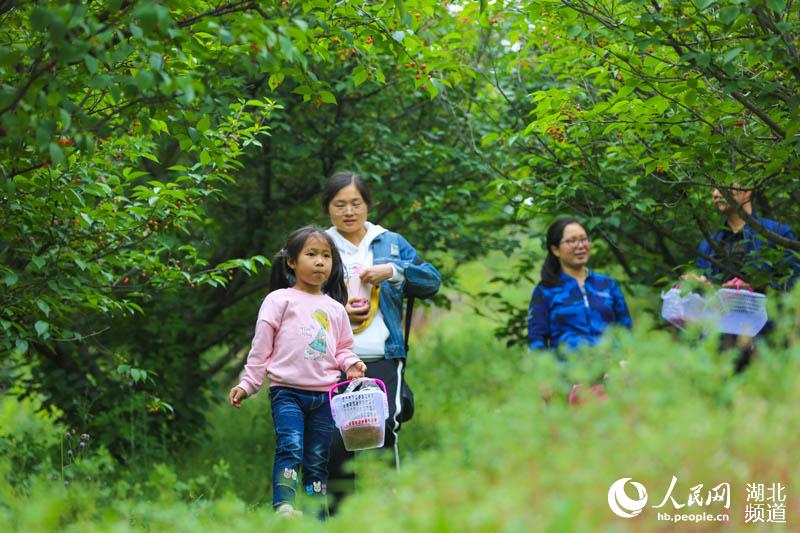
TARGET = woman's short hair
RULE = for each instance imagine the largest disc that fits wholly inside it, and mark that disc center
(339, 181)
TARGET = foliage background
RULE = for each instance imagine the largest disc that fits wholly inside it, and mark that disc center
(153, 155)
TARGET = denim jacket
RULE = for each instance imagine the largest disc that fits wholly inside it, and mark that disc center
(754, 243)
(561, 315)
(421, 280)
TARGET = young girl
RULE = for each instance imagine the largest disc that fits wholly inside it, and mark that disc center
(302, 341)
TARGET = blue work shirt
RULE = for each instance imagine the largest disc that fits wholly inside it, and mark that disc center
(563, 315)
(754, 244)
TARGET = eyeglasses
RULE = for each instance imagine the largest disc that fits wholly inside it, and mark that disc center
(342, 208)
(575, 241)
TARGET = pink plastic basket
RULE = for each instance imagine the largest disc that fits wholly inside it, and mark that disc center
(360, 414)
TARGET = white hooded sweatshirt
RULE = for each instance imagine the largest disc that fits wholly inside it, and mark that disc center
(370, 344)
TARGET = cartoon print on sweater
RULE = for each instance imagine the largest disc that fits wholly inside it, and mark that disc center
(318, 346)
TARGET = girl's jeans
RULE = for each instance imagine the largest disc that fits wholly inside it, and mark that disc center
(304, 428)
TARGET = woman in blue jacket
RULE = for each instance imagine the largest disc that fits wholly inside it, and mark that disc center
(572, 305)
(381, 268)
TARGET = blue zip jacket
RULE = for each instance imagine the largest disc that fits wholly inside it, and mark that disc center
(754, 243)
(422, 280)
(561, 316)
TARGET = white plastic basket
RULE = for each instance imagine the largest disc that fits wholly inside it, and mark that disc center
(741, 312)
(734, 311)
(680, 310)
(360, 414)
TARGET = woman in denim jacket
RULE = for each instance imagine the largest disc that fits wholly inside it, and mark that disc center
(381, 268)
(572, 305)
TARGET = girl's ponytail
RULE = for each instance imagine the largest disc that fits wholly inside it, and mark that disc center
(335, 287)
(281, 276)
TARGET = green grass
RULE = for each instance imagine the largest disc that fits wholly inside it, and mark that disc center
(493, 446)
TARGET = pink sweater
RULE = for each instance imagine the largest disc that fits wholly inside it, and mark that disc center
(302, 341)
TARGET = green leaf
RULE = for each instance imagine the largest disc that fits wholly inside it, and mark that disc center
(623, 105)
(10, 278)
(302, 24)
(327, 97)
(728, 56)
(625, 90)
(92, 65)
(676, 131)
(203, 124)
(728, 14)
(9, 186)
(22, 345)
(41, 304)
(158, 126)
(8, 57)
(359, 75)
(42, 327)
(574, 31)
(703, 59)
(156, 61)
(489, 138)
(38, 261)
(185, 83)
(256, 103)
(433, 88)
(275, 80)
(401, 9)
(56, 154)
(777, 5)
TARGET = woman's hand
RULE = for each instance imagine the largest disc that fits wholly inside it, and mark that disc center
(236, 395)
(737, 284)
(694, 277)
(356, 370)
(377, 274)
(357, 310)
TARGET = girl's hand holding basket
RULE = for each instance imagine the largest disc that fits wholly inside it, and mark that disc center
(356, 370)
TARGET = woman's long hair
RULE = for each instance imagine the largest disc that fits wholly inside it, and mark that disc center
(283, 276)
(551, 269)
